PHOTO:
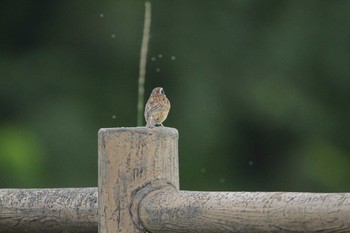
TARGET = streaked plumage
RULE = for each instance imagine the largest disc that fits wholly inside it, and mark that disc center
(157, 108)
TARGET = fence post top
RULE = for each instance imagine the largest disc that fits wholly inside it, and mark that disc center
(160, 131)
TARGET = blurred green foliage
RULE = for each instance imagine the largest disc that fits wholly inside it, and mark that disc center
(259, 89)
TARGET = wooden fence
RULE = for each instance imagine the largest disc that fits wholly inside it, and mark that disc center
(138, 191)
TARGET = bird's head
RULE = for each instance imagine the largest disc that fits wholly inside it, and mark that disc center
(158, 91)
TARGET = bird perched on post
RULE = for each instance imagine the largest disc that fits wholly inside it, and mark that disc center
(157, 108)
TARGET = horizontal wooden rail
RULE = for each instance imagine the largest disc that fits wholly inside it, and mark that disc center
(169, 210)
(183, 211)
(48, 210)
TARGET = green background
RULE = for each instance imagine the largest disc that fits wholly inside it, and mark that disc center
(259, 89)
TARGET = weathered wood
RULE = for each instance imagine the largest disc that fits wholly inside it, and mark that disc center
(132, 163)
(139, 192)
(185, 211)
(48, 210)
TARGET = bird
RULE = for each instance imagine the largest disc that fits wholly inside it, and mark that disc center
(157, 108)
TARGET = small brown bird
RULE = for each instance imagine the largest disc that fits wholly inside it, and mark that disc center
(157, 108)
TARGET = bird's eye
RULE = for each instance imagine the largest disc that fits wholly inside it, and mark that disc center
(161, 91)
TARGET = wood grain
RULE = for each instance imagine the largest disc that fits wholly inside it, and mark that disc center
(48, 210)
(186, 211)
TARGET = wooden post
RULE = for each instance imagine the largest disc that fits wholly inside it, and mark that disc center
(48, 210)
(133, 162)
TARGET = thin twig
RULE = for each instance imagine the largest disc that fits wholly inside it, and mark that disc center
(143, 61)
